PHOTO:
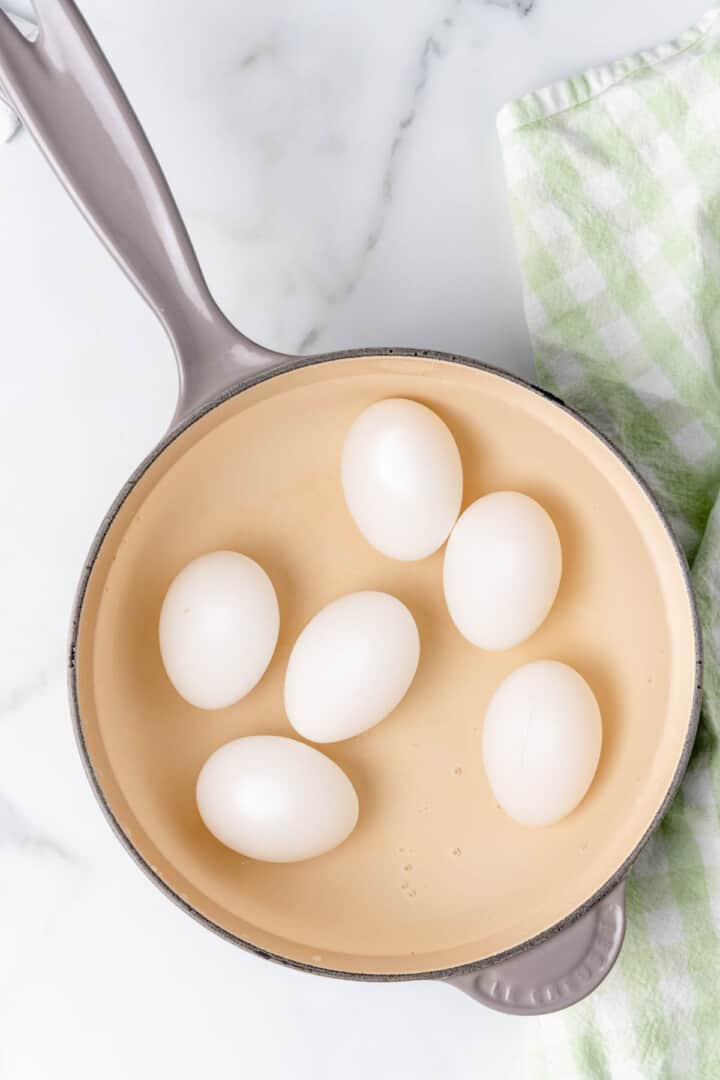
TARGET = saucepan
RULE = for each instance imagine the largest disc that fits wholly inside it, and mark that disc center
(436, 881)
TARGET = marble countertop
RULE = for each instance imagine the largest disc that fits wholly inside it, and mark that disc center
(339, 171)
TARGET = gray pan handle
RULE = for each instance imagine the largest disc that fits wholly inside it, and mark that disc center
(559, 972)
(69, 99)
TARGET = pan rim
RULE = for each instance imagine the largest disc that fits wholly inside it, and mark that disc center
(255, 377)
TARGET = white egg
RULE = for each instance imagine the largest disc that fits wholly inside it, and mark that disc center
(502, 570)
(275, 799)
(219, 626)
(541, 742)
(402, 477)
(350, 666)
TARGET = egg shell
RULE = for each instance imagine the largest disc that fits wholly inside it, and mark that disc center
(218, 629)
(402, 478)
(275, 799)
(541, 742)
(351, 666)
(502, 570)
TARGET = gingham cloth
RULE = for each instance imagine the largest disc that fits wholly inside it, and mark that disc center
(614, 188)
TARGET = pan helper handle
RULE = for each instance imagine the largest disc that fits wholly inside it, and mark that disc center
(560, 971)
(68, 97)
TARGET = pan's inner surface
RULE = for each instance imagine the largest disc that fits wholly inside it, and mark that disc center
(435, 874)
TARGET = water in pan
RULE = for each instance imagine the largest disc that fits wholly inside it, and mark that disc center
(435, 874)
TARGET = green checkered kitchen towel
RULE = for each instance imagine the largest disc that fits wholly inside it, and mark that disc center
(614, 189)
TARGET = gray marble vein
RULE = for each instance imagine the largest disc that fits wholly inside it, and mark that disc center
(20, 695)
(522, 7)
(16, 831)
(432, 50)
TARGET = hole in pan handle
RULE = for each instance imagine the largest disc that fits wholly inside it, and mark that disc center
(560, 971)
(67, 95)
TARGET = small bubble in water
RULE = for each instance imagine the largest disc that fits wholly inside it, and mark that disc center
(405, 885)
(456, 851)
(407, 867)
(411, 894)
(457, 771)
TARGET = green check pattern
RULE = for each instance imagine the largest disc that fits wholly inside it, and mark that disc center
(614, 191)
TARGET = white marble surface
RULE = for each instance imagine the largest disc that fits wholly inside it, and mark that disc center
(339, 171)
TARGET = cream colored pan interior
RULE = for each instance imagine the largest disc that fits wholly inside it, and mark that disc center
(435, 874)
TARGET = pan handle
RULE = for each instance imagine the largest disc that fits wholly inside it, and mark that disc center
(559, 972)
(70, 100)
